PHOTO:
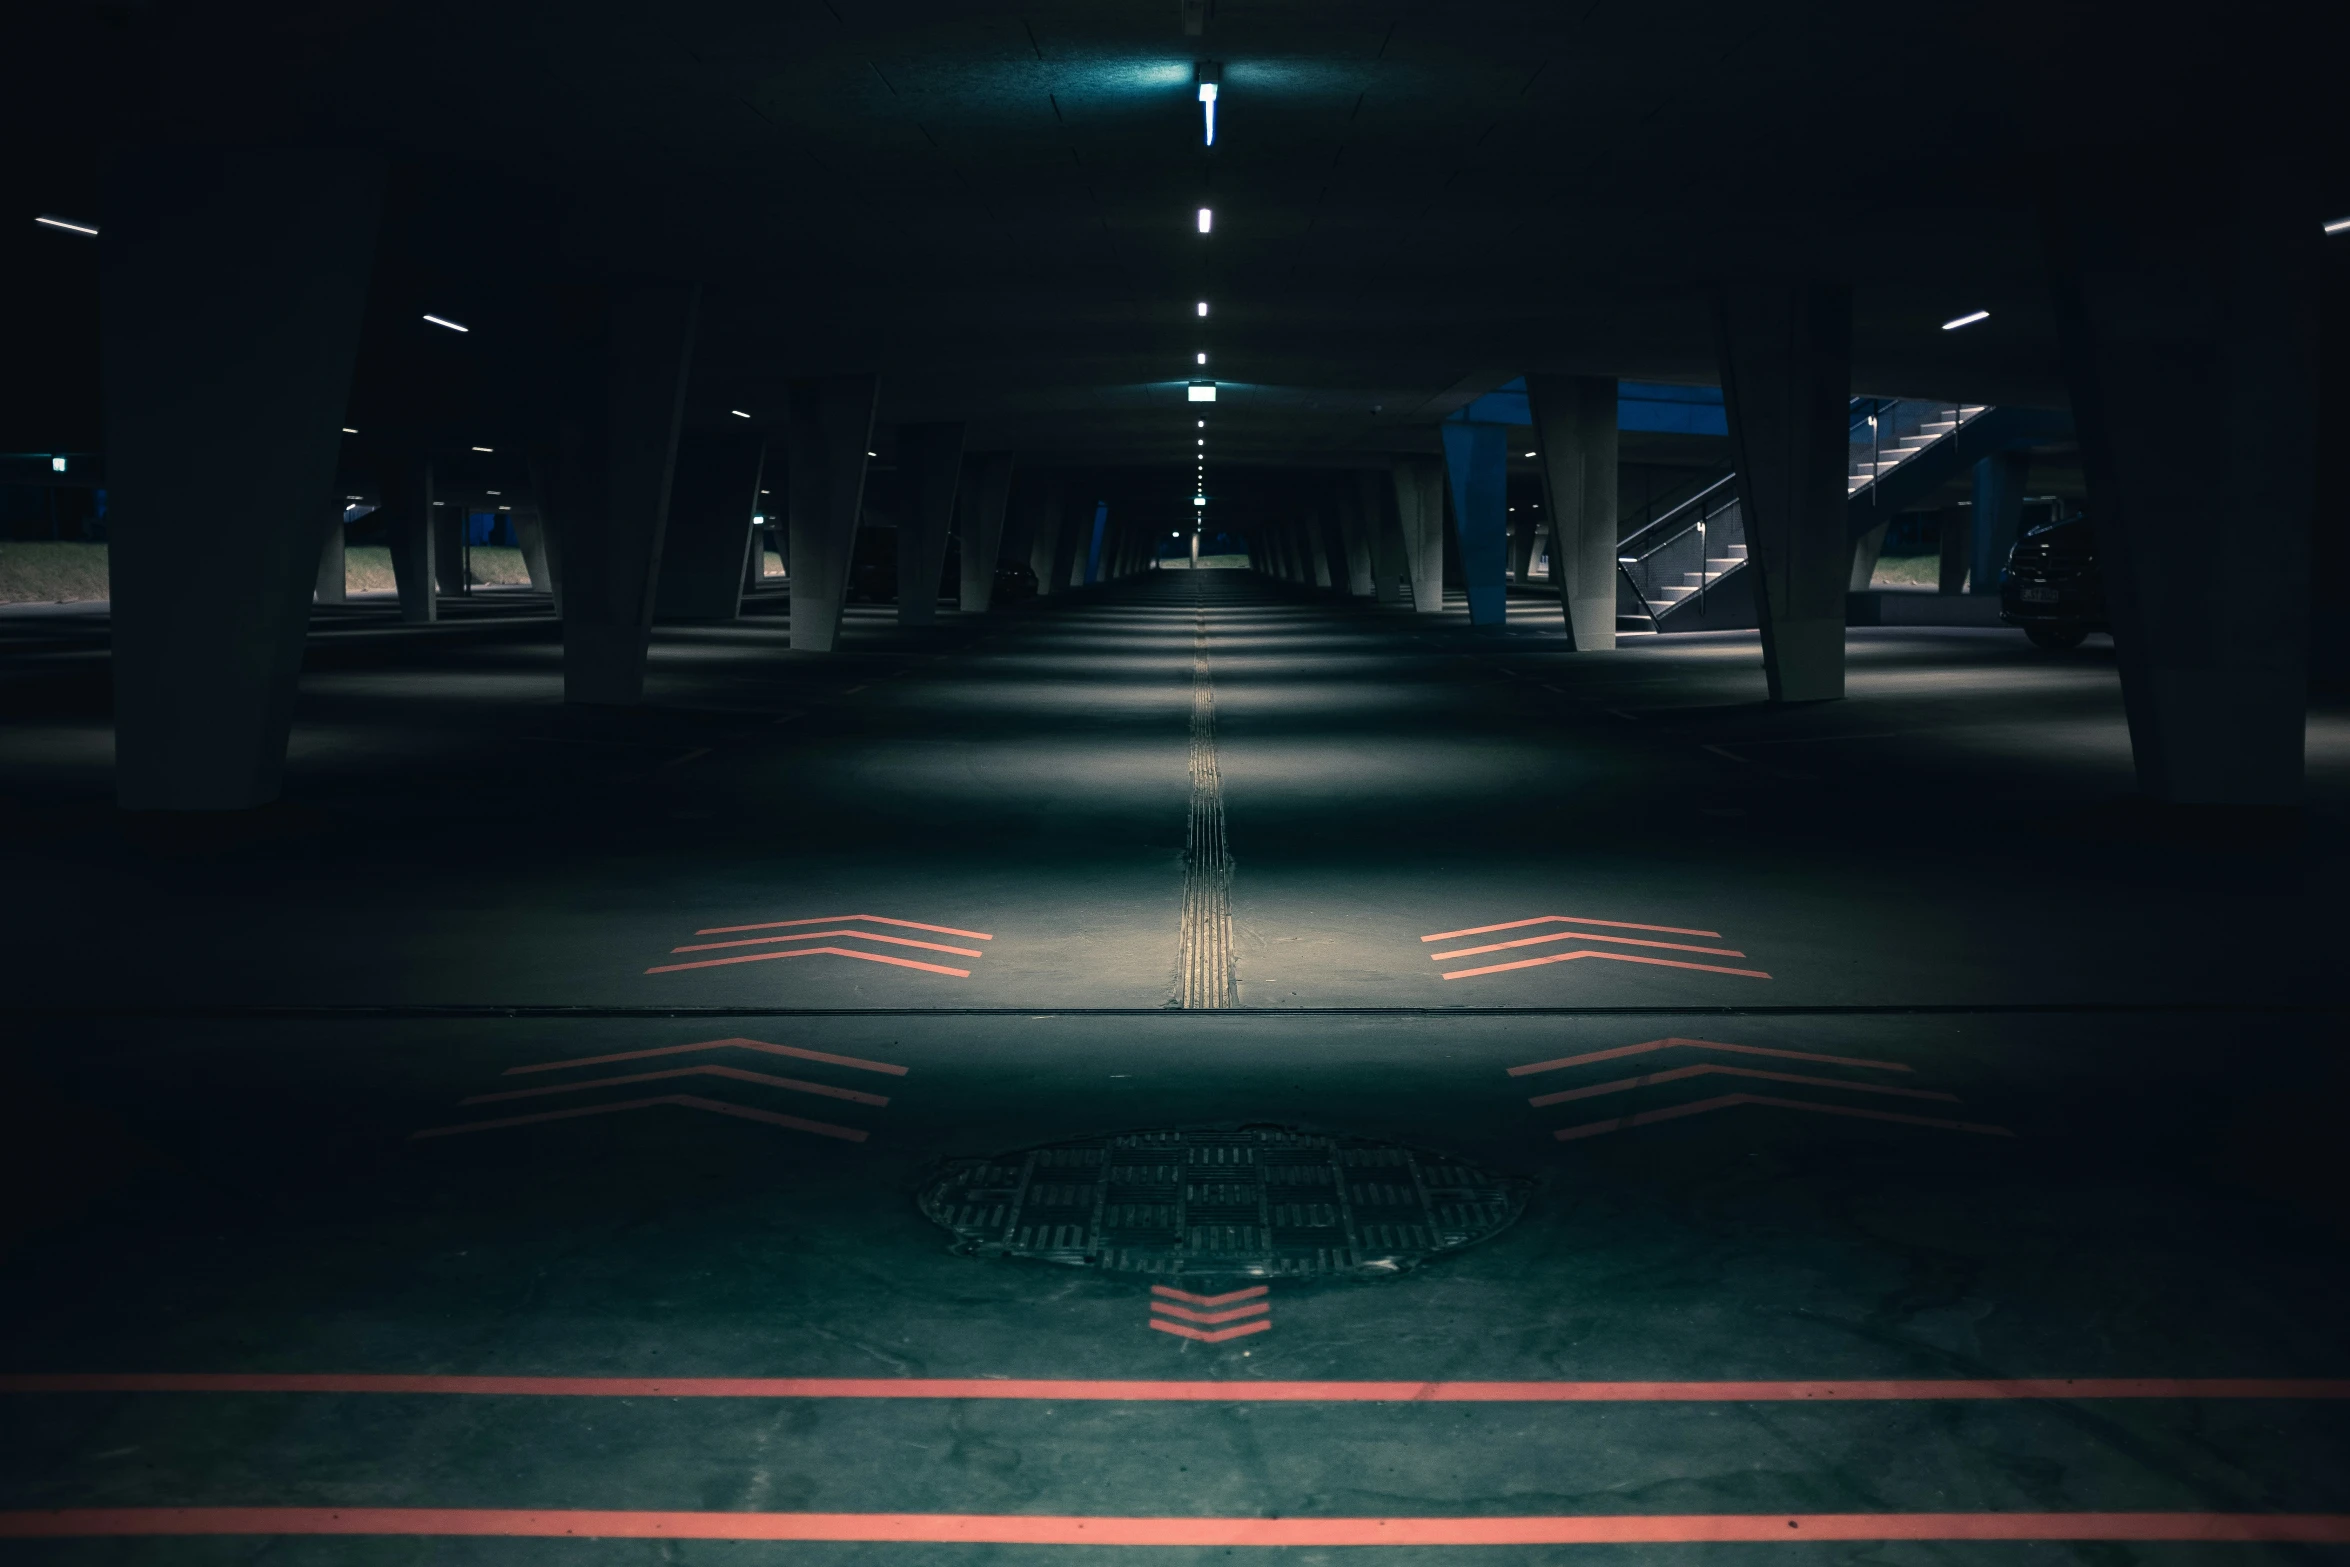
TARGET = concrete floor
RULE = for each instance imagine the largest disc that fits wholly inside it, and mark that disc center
(2006, 1078)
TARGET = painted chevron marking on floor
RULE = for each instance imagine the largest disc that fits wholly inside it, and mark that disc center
(796, 1052)
(846, 1134)
(1568, 1134)
(1252, 1314)
(1677, 1074)
(1228, 1533)
(797, 1085)
(1675, 1042)
(1585, 952)
(1194, 1391)
(1620, 957)
(841, 929)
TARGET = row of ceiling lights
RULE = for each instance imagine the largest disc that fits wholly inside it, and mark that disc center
(1210, 76)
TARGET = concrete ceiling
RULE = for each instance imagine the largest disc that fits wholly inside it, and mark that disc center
(994, 206)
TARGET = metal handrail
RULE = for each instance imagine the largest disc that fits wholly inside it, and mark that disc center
(1640, 534)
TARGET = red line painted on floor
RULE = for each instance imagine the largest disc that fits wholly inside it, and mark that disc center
(818, 935)
(1212, 1335)
(1197, 1391)
(810, 952)
(1677, 1043)
(847, 1134)
(1212, 1318)
(1050, 1529)
(1569, 957)
(794, 1051)
(840, 919)
(1167, 1292)
(1577, 935)
(1568, 1134)
(1568, 919)
(1719, 1069)
(735, 1073)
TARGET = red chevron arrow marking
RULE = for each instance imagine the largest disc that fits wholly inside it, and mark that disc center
(1251, 1293)
(1211, 1318)
(795, 1084)
(843, 919)
(817, 935)
(1567, 1134)
(846, 1134)
(1677, 1043)
(1569, 919)
(761, 1045)
(1718, 1069)
(809, 952)
(1620, 957)
(1578, 935)
(1212, 1335)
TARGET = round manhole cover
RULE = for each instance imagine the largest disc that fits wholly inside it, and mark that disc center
(1251, 1202)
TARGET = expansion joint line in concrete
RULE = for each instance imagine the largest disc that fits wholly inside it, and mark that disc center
(1204, 977)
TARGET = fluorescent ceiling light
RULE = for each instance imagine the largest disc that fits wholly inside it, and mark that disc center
(483, 448)
(1203, 424)
(347, 430)
(1203, 358)
(1203, 304)
(51, 220)
(1207, 103)
(1969, 319)
(1203, 391)
(493, 492)
(1207, 220)
(738, 413)
(57, 465)
(1199, 500)
(451, 325)
(2338, 226)
(1533, 454)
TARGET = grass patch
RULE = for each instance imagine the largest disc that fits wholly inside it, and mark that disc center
(1907, 571)
(52, 572)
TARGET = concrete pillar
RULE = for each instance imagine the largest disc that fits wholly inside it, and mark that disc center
(1998, 514)
(1476, 464)
(408, 529)
(2186, 299)
(709, 536)
(1957, 527)
(448, 543)
(226, 367)
(1375, 494)
(1865, 552)
(979, 512)
(1076, 538)
(1525, 533)
(1041, 500)
(1419, 509)
(1317, 545)
(1575, 434)
(830, 430)
(334, 585)
(1195, 549)
(530, 531)
(1354, 536)
(617, 453)
(930, 473)
(1786, 363)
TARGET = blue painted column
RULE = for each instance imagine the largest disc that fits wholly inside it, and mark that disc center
(1476, 463)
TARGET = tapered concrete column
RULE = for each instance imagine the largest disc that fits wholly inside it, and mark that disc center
(1866, 551)
(1354, 536)
(1076, 538)
(930, 473)
(708, 536)
(1419, 510)
(530, 531)
(1998, 514)
(1476, 464)
(226, 366)
(334, 579)
(979, 516)
(1376, 493)
(1786, 360)
(1317, 543)
(1957, 525)
(831, 428)
(1524, 535)
(448, 543)
(618, 453)
(1575, 433)
(2187, 316)
(1042, 502)
(407, 511)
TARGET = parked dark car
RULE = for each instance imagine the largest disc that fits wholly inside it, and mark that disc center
(2052, 587)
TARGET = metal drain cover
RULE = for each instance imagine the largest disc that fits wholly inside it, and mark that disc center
(1252, 1202)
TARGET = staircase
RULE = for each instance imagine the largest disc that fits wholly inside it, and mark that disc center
(1671, 570)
